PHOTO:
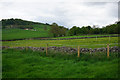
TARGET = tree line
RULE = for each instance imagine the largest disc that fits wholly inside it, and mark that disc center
(109, 29)
(58, 31)
(12, 21)
(18, 23)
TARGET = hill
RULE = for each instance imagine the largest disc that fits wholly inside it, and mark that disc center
(20, 29)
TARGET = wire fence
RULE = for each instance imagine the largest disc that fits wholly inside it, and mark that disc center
(82, 45)
(73, 48)
(107, 49)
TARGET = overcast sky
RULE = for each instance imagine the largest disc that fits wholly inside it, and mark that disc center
(63, 12)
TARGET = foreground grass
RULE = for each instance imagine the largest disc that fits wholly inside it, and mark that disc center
(29, 64)
(83, 43)
(10, 34)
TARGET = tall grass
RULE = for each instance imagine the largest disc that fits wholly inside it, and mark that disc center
(34, 64)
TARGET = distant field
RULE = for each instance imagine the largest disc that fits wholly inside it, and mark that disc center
(29, 64)
(86, 36)
(83, 43)
(9, 34)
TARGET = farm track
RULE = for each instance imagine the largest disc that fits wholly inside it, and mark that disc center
(59, 38)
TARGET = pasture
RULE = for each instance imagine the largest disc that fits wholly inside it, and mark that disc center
(83, 43)
(10, 34)
(29, 64)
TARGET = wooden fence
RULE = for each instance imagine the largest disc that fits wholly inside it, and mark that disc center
(78, 54)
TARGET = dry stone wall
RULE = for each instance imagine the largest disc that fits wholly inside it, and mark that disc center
(68, 49)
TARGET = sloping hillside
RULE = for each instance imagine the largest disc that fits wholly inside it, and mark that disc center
(18, 30)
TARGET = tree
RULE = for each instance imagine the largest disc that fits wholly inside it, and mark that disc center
(54, 29)
(84, 30)
(72, 31)
(57, 31)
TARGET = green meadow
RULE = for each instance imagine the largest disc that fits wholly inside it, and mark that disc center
(83, 43)
(10, 34)
(29, 64)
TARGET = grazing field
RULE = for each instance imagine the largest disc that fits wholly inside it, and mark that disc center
(10, 34)
(29, 64)
(83, 43)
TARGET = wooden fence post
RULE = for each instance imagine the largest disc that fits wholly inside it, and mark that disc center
(78, 51)
(46, 49)
(26, 48)
(109, 38)
(107, 50)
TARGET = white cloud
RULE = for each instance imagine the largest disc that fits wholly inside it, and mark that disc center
(64, 13)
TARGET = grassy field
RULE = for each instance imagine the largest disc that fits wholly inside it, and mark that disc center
(29, 64)
(86, 36)
(83, 43)
(9, 34)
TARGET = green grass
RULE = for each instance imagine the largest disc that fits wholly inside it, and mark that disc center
(29, 64)
(9, 34)
(83, 43)
(97, 35)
